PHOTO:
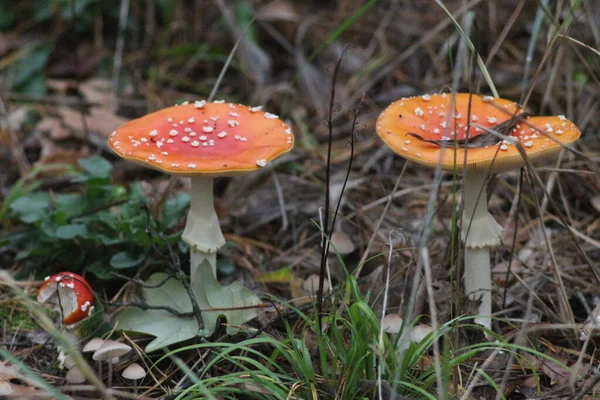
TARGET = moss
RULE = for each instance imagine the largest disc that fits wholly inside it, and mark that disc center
(17, 319)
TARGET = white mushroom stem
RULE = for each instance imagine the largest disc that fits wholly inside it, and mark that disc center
(202, 230)
(479, 232)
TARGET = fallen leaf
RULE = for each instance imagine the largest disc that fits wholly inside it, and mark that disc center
(169, 328)
(282, 275)
(54, 128)
(558, 374)
(99, 120)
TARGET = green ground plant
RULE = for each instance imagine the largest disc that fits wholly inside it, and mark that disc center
(96, 224)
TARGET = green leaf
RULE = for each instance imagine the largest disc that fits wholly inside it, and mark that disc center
(7, 14)
(29, 71)
(31, 208)
(175, 210)
(100, 271)
(96, 166)
(124, 260)
(70, 231)
(210, 295)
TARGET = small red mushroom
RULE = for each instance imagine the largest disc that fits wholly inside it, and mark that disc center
(70, 294)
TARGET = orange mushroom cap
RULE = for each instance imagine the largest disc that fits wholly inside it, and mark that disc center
(430, 117)
(208, 139)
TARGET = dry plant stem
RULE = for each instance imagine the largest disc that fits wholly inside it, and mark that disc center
(202, 230)
(479, 232)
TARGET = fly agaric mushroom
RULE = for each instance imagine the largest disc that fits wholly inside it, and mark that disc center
(203, 141)
(70, 294)
(452, 131)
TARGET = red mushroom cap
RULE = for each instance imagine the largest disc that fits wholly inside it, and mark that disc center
(207, 139)
(70, 293)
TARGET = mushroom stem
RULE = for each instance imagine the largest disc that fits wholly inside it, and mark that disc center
(202, 230)
(479, 228)
(478, 283)
(479, 232)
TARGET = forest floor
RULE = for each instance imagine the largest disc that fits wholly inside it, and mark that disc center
(73, 72)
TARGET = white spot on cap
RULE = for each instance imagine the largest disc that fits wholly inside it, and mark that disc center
(407, 141)
(192, 166)
(208, 129)
(548, 128)
(444, 124)
(191, 120)
(234, 114)
(219, 101)
(85, 306)
(222, 134)
(528, 143)
(195, 143)
(270, 116)
(426, 97)
(153, 133)
(436, 131)
(562, 117)
(261, 163)
(419, 112)
(487, 99)
(173, 132)
(492, 120)
(114, 133)
(200, 104)
(474, 118)
(233, 123)
(169, 120)
(185, 103)
(503, 147)
(422, 126)
(185, 139)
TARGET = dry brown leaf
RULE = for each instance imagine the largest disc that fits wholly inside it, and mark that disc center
(8, 371)
(97, 91)
(99, 120)
(557, 374)
(22, 392)
(54, 128)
